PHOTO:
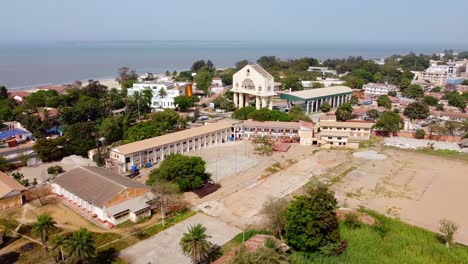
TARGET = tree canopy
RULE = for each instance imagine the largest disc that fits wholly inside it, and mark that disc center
(188, 172)
(311, 222)
(417, 110)
(389, 122)
(384, 101)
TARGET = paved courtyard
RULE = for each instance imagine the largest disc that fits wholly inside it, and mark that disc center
(164, 248)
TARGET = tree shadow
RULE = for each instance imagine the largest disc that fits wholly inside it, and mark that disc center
(214, 254)
(10, 257)
(106, 256)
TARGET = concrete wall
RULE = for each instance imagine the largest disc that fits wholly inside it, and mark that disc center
(11, 202)
(126, 195)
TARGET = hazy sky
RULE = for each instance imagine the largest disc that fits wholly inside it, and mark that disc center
(360, 21)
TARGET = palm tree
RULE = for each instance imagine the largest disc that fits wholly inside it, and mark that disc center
(58, 241)
(80, 246)
(43, 227)
(195, 244)
(344, 112)
(162, 93)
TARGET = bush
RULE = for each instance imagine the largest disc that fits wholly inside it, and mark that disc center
(420, 133)
(55, 169)
(381, 229)
(351, 220)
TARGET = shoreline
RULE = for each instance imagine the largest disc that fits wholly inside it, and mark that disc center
(108, 81)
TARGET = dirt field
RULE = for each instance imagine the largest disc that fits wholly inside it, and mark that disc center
(418, 188)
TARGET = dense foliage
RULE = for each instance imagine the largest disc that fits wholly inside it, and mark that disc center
(311, 222)
(295, 114)
(389, 122)
(417, 110)
(188, 172)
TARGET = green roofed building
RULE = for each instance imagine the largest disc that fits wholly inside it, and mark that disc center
(311, 99)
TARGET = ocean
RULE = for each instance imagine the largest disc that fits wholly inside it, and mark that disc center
(26, 65)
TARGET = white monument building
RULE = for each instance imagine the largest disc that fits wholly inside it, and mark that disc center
(253, 81)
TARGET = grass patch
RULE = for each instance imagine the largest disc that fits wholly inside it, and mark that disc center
(444, 153)
(275, 167)
(391, 241)
(372, 142)
(145, 233)
(340, 176)
(237, 240)
(103, 238)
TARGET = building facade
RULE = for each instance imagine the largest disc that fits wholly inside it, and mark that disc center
(310, 100)
(11, 192)
(103, 195)
(345, 134)
(253, 81)
(437, 78)
(378, 89)
(172, 90)
(151, 151)
(322, 70)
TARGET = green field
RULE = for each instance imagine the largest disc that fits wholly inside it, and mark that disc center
(401, 243)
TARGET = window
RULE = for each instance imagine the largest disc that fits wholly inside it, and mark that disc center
(127, 159)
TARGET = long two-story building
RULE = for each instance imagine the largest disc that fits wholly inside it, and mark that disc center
(344, 134)
(153, 150)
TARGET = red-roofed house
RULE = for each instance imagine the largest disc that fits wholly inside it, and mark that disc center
(18, 96)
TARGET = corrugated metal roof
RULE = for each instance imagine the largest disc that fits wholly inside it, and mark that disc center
(8, 185)
(170, 138)
(316, 93)
(95, 185)
(347, 124)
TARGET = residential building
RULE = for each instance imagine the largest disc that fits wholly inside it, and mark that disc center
(310, 100)
(18, 96)
(322, 70)
(11, 192)
(253, 81)
(15, 131)
(325, 82)
(379, 61)
(217, 81)
(61, 89)
(153, 150)
(437, 78)
(345, 134)
(102, 195)
(172, 91)
(378, 89)
(435, 67)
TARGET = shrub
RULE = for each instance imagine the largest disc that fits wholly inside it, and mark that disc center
(420, 133)
(351, 220)
(448, 229)
(55, 169)
(381, 229)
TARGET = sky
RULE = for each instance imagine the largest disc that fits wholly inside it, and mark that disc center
(325, 21)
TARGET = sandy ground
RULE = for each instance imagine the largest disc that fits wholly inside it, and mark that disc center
(164, 247)
(419, 189)
(40, 171)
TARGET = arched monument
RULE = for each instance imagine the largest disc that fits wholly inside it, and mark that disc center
(253, 81)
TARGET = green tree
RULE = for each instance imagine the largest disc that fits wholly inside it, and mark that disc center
(81, 138)
(4, 164)
(311, 221)
(405, 83)
(344, 112)
(420, 133)
(43, 227)
(198, 65)
(384, 101)
(457, 100)
(38, 99)
(392, 93)
(162, 93)
(3, 93)
(292, 82)
(188, 172)
(195, 244)
(241, 64)
(414, 91)
(183, 103)
(325, 107)
(51, 149)
(242, 113)
(204, 78)
(80, 246)
(431, 100)
(354, 100)
(297, 114)
(417, 110)
(354, 81)
(111, 129)
(317, 85)
(373, 114)
(389, 122)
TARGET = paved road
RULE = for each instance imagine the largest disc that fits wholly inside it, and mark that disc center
(164, 247)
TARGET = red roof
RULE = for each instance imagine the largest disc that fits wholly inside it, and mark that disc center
(19, 93)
